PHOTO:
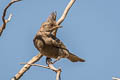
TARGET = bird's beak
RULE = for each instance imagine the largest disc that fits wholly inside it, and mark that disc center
(59, 26)
(56, 27)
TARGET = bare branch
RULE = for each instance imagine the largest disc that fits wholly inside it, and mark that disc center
(58, 74)
(62, 18)
(37, 65)
(9, 18)
(65, 12)
(27, 66)
(4, 14)
(50, 66)
(114, 78)
(58, 71)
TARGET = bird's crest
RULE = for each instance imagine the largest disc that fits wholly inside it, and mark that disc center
(52, 17)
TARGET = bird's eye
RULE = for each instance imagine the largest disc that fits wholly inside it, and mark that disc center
(45, 25)
(51, 25)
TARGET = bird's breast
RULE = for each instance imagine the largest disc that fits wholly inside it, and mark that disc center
(50, 51)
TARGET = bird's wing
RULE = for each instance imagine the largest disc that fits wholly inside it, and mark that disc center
(56, 42)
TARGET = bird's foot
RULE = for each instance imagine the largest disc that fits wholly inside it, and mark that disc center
(48, 61)
(57, 59)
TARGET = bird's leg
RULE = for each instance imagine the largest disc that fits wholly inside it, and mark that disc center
(57, 59)
(48, 60)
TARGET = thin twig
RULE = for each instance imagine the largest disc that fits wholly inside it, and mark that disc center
(5, 21)
(114, 78)
(50, 66)
(27, 66)
(58, 71)
(65, 12)
(62, 18)
(37, 65)
(58, 74)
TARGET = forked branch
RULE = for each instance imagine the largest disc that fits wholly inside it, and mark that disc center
(27, 66)
(50, 66)
(5, 21)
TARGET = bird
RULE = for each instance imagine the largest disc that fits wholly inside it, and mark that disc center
(49, 45)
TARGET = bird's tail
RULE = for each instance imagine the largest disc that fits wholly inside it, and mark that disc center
(75, 58)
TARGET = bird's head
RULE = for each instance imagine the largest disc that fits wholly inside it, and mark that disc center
(50, 25)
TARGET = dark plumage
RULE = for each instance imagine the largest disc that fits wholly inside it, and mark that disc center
(49, 45)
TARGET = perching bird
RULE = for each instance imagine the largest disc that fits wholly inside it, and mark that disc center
(49, 45)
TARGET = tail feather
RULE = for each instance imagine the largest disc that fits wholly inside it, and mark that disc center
(75, 58)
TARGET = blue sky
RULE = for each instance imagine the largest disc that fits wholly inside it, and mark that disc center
(91, 31)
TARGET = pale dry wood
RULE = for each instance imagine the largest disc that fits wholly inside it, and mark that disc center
(26, 67)
(5, 21)
(58, 74)
(37, 65)
(114, 78)
(65, 12)
(58, 71)
(50, 66)
(62, 18)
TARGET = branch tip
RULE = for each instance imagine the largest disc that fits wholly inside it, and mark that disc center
(5, 21)
(15, 0)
